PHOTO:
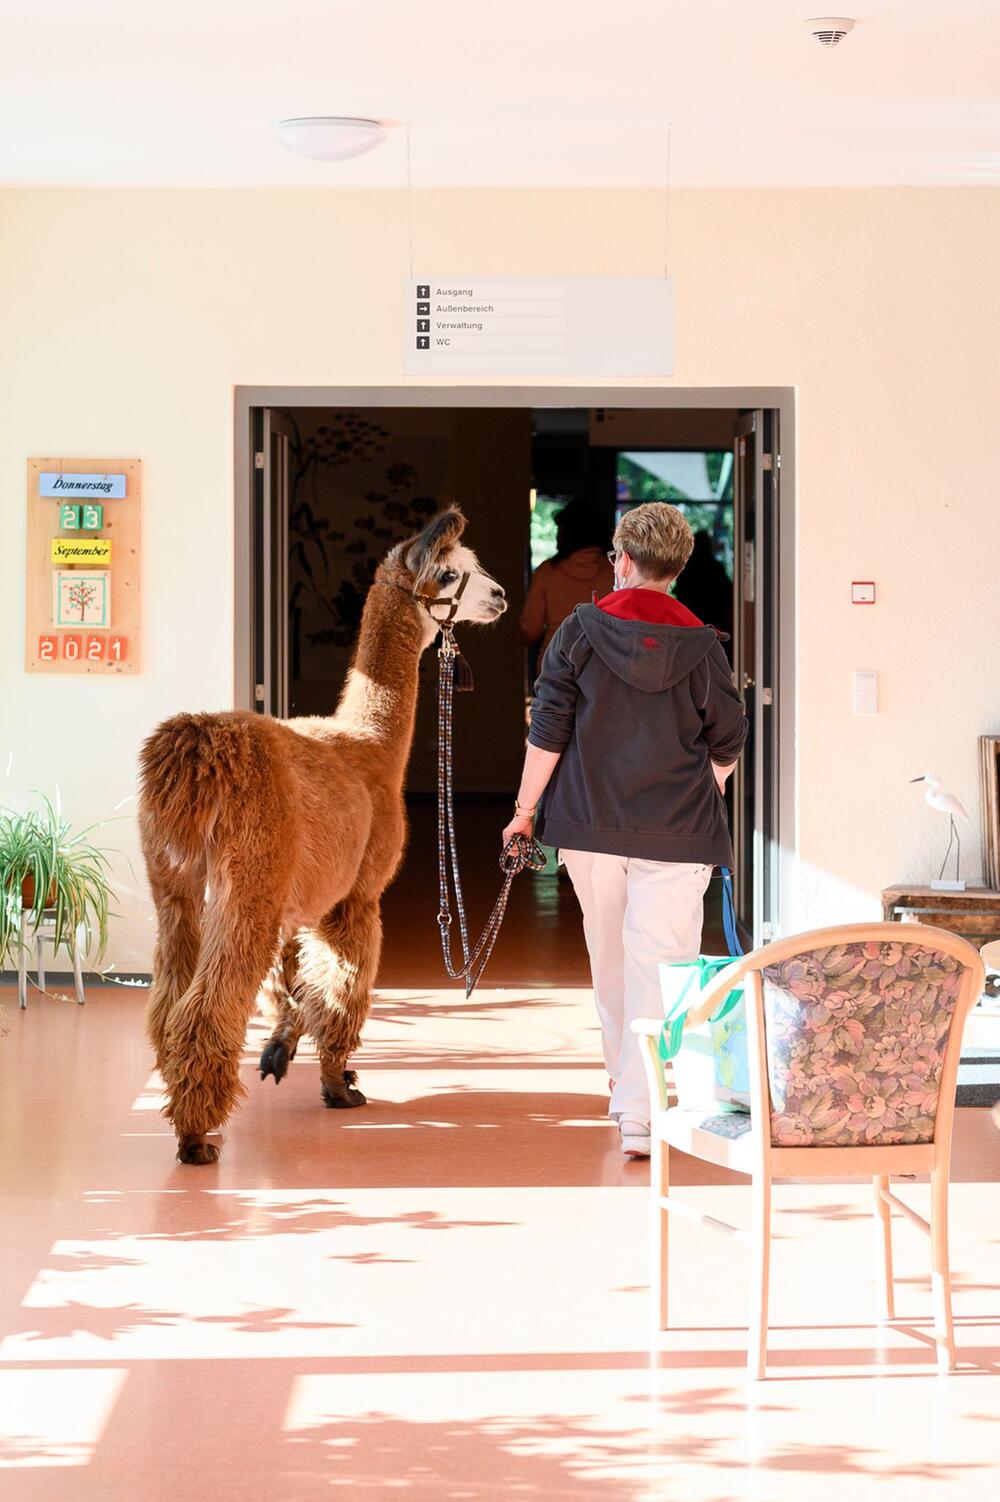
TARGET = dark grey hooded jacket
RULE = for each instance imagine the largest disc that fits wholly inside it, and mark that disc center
(639, 712)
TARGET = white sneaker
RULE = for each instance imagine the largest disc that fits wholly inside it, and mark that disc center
(635, 1137)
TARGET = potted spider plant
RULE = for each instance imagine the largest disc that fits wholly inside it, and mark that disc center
(47, 869)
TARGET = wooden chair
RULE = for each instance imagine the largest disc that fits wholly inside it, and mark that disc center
(854, 1036)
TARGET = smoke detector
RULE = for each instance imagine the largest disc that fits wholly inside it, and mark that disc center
(829, 30)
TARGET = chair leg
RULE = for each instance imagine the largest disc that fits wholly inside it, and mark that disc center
(944, 1330)
(22, 968)
(659, 1177)
(78, 970)
(760, 1267)
(40, 962)
(883, 1251)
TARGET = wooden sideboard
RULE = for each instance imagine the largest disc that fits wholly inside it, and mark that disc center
(974, 913)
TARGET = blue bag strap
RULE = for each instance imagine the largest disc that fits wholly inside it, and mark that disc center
(672, 1032)
(671, 1036)
(673, 1028)
(732, 1000)
(729, 914)
(679, 1009)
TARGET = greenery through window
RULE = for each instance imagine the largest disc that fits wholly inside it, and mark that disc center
(543, 527)
(699, 483)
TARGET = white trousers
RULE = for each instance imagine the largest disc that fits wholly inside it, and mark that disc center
(637, 914)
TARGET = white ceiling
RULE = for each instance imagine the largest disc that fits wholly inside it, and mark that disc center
(500, 92)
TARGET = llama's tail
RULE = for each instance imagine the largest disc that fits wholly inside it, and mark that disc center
(198, 777)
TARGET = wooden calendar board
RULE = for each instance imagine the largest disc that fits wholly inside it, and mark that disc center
(82, 567)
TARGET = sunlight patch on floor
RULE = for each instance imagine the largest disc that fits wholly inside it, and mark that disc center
(56, 1418)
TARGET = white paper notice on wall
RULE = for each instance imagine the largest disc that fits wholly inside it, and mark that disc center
(549, 325)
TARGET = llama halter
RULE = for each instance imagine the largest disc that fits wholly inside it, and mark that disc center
(452, 601)
(428, 601)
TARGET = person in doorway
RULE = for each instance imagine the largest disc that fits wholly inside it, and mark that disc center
(578, 570)
(635, 728)
(705, 587)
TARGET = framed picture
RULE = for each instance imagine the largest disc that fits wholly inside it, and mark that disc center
(989, 783)
(81, 598)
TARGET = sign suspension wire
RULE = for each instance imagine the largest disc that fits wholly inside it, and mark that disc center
(457, 324)
(409, 197)
(666, 202)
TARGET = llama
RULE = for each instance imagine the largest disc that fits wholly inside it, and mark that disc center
(269, 843)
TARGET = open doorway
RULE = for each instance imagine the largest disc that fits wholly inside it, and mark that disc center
(333, 483)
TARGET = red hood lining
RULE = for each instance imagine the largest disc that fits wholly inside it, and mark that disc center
(649, 605)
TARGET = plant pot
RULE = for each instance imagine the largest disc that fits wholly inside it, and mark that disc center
(28, 893)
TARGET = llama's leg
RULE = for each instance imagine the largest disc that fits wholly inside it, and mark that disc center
(179, 898)
(281, 1006)
(207, 1025)
(338, 962)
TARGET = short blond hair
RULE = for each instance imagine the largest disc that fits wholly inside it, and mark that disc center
(657, 538)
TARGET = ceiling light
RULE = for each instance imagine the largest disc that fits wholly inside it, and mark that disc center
(329, 138)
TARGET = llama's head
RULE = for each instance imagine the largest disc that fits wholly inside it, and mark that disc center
(444, 575)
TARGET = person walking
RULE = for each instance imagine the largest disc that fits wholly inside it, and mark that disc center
(577, 572)
(636, 726)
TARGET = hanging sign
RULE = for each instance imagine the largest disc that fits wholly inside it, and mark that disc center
(81, 550)
(570, 325)
(83, 487)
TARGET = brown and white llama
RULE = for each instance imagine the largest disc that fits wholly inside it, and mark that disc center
(269, 843)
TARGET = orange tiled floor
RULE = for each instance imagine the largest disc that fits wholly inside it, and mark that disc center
(442, 1296)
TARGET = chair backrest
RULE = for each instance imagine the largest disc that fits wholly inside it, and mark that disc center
(861, 1031)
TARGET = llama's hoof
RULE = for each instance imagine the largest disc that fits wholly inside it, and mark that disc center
(275, 1060)
(196, 1150)
(343, 1097)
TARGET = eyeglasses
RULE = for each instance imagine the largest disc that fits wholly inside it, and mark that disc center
(612, 558)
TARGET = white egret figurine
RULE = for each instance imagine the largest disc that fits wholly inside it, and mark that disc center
(946, 803)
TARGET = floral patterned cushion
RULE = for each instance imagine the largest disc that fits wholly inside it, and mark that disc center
(856, 1036)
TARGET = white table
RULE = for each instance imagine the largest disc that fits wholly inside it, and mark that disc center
(44, 933)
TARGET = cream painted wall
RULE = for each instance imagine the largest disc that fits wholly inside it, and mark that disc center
(129, 316)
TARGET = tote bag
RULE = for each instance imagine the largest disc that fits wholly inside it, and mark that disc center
(710, 1061)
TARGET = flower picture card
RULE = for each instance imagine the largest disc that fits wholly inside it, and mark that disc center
(81, 599)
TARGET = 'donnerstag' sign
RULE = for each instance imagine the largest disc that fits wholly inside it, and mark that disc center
(86, 487)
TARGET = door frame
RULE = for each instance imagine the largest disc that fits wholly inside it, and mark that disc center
(248, 400)
(270, 438)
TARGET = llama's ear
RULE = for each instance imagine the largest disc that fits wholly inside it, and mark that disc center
(437, 537)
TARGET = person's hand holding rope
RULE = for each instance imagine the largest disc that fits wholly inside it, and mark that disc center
(538, 768)
(523, 824)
